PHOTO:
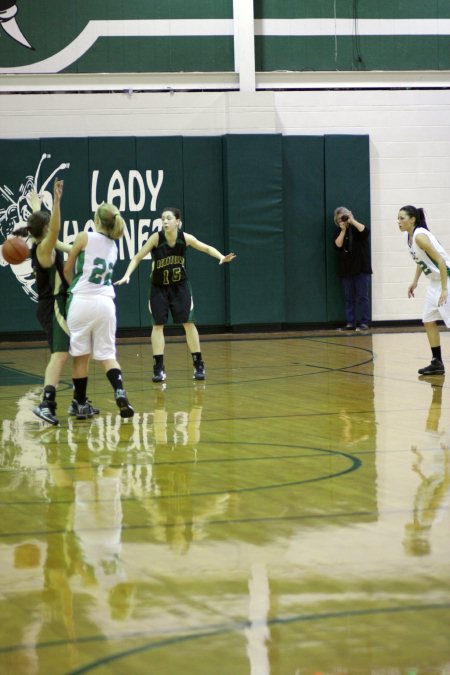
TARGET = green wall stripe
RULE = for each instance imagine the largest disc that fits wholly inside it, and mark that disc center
(381, 9)
(158, 54)
(377, 52)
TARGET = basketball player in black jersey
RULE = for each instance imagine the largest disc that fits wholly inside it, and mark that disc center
(48, 265)
(170, 288)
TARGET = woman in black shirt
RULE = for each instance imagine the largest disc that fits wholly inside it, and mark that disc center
(354, 267)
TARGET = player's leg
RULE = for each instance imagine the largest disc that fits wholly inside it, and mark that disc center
(159, 313)
(182, 308)
(104, 350)
(79, 320)
(51, 317)
(193, 342)
(431, 315)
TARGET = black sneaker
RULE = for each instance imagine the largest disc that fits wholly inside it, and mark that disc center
(46, 411)
(123, 403)
(436, 367)
(83, 411)
(159, 375)
(73, 407)
(348, 326)
(199, 370)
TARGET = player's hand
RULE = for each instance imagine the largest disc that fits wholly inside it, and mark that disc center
(58, 186)
(411, 290)
(124, 280)
(227, 258)
(443, 298)
(34, 200)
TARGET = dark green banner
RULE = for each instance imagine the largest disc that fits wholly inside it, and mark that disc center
(267, 197)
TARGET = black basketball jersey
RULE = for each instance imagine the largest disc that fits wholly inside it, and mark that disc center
(168, 261)
(50, 281)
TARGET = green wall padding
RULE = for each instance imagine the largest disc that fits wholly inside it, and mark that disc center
(305, 246)
(203, 216)
(254, 188)
(267, 197)
(347, 181)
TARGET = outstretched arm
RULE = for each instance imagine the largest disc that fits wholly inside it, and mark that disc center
(151, 242)
(210, 250)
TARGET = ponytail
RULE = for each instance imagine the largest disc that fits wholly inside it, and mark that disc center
(21, 232)
(418, 214)
(110, 220)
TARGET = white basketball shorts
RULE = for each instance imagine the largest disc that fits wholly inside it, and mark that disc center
(431, 311)
(92, 324)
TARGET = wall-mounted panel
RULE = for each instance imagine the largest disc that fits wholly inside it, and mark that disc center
(305, 243)
(347, 183)
(203, 216)
(254, 199)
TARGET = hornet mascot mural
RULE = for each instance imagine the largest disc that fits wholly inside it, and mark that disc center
(8, 11)
(15, 213)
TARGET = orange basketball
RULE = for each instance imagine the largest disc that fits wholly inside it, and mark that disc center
(15, 250)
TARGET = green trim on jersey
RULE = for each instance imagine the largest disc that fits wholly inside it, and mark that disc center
(78, 271)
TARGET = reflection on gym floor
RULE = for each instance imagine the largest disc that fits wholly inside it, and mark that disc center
(290, 515)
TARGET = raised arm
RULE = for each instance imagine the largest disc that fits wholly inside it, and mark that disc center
(210, 250)
(48, 243)
(151, 242)
(339, 241)
(356, 224)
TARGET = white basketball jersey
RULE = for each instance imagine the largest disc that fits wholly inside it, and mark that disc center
(428, 265)
(94, 267)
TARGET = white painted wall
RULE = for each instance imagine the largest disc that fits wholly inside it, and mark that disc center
(410, 164)
(409, 143)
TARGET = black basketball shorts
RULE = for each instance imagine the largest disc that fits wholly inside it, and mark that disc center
(178, 299)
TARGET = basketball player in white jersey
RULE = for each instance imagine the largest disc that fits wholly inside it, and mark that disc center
(91, 314)
(433, 261)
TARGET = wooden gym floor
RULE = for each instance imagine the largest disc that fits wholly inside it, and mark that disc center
(289, 516)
